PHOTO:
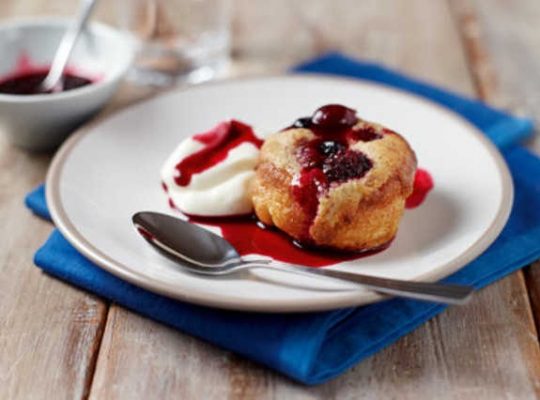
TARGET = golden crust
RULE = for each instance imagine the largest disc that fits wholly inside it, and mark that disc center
(356, 215)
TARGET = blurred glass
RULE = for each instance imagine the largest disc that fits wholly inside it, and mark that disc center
(178, 40)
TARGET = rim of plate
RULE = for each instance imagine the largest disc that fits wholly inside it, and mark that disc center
(353, 298)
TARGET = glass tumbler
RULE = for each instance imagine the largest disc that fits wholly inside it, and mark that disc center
(177, 40)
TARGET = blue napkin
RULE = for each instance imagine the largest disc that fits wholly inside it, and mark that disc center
(315, 347)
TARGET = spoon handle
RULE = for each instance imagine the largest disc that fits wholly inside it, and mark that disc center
(427, 291)
(67, 44)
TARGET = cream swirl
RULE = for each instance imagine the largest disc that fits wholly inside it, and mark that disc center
(209, 174)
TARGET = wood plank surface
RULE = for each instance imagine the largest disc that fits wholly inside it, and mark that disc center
(511, 40)
(50, 332)
(511, 36)
(503, 43)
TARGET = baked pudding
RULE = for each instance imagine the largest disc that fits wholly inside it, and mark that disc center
(334, 180)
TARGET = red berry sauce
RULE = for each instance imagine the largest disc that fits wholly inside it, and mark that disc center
(27, 77)
(423, 183)
(31, 83)
(366, 134)
(218, 142)
(249, 237)
(306, 189)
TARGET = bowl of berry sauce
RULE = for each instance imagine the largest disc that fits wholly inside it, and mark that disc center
(40, 121)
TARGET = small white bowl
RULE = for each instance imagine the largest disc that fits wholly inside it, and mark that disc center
(42, 121)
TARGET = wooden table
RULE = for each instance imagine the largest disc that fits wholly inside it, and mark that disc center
(58, 342)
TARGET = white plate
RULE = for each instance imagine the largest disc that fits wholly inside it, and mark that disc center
(110, 170)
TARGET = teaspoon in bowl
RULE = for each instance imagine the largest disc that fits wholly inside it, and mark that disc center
(53, 80)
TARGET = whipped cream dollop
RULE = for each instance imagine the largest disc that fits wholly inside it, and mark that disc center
(208, 174)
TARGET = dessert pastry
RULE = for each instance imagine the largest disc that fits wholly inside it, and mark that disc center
(334, 180)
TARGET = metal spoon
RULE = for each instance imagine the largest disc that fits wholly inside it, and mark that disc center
(53, 81)
(204, 252)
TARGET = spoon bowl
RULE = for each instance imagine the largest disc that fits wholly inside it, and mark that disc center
(202, 248)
